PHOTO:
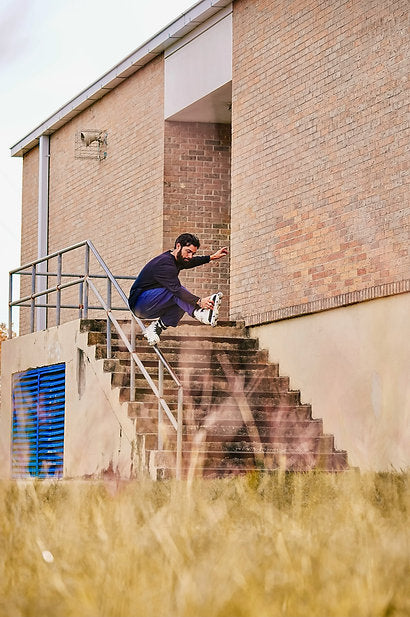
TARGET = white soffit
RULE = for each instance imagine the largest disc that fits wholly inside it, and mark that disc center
(214, 107)
(198, 64)
(179, 28)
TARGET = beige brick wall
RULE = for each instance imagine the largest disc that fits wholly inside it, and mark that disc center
(197, 199)
(116, 202)
(319, 198)
(30, 207)
(28, 231)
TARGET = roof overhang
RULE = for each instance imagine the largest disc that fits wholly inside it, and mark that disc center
(179, 28)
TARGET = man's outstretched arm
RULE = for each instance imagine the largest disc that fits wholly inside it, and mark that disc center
(221, 253)
(199, 260)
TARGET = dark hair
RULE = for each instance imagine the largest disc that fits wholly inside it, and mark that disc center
(186, 240)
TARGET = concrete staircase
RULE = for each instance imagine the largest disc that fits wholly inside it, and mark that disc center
(239, 412)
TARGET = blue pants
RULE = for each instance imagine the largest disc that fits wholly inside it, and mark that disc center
(160, 302)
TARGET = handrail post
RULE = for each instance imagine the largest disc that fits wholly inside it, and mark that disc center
(161, 394)
(80, 299)
(86, 274)
(10, 329)
(33, 291)
(132, 367)
(41, 285)
(109, 302)
(179, 433)
(58, 300)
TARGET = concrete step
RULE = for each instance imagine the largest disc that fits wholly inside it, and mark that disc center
(195, 382)
(244, 463)
(93, 325)
(230, 430)
(244, 358)
(315, 446)
(267, 433)
(263, 414)
(322, 443)
(301, 431)
(189, 327)
(217, 451)
(197, 371)
(205, 398)
(176, 342)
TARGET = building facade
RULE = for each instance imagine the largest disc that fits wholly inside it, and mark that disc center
(279, 130)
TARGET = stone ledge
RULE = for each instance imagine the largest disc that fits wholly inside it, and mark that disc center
(325, 304)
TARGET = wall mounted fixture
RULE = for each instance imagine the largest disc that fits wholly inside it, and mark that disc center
(88, 137)
(91, 144)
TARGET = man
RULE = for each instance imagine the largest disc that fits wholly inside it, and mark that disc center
(158, 294)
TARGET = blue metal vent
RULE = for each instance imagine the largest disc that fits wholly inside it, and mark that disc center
(38, 422)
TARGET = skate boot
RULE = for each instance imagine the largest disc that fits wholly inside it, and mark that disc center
(209, 317)
(154, 331)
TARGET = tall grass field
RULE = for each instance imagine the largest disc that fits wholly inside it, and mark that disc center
(308, 544)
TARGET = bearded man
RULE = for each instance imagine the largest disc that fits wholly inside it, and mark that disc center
(157, 293)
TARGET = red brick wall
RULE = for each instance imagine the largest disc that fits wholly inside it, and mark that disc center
(319, 197)
(197, 198)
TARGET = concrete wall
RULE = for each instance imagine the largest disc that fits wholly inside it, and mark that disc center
(98, 433)
(353, 365)
(319, 163)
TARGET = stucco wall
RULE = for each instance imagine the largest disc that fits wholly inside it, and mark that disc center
(353, 365)
(98, 433)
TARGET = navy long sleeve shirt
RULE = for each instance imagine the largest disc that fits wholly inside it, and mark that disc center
(163, 271)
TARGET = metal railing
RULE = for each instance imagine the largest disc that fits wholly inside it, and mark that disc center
(39, 299)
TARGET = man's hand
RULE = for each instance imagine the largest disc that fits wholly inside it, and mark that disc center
(206, 303)
(221, 253)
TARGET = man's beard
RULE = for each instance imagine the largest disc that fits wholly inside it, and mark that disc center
(181, 261)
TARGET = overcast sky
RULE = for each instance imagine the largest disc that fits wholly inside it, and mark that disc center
(50, 50)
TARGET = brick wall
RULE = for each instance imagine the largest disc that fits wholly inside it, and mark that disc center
(197, 198)
(319, 199)
(116, 202)
(28, 230)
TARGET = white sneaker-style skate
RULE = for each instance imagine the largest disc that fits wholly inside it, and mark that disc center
(209, 317)
(153, 332)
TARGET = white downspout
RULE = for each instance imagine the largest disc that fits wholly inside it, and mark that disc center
(42, 229)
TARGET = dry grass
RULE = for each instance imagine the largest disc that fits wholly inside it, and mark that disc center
(317, 545)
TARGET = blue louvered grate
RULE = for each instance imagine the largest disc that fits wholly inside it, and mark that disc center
(38, 422)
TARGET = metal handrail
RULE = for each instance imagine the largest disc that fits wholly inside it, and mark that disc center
(72, 274)
(85, 283)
